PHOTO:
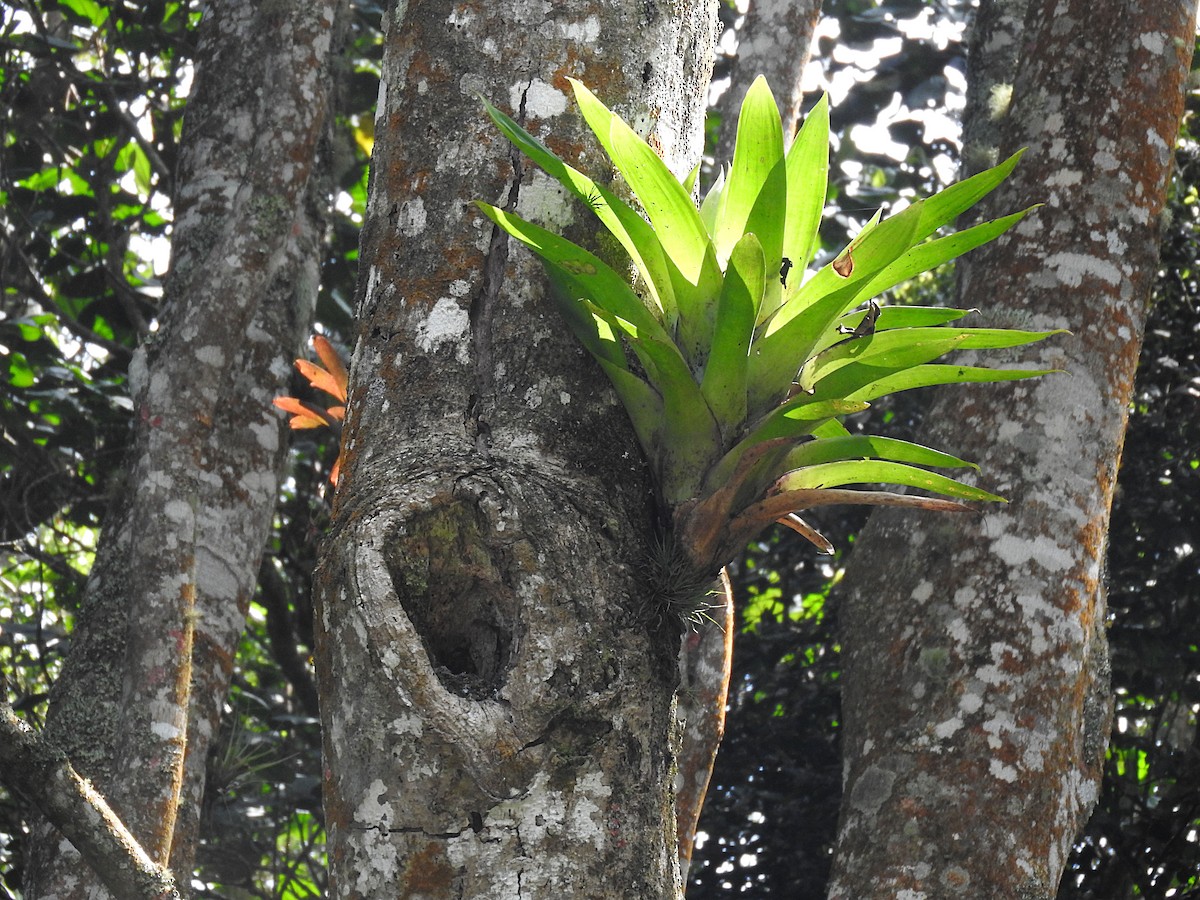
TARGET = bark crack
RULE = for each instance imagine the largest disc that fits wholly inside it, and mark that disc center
(483, 307)
(387, 831)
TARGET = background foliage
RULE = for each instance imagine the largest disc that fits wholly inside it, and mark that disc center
(92, 96)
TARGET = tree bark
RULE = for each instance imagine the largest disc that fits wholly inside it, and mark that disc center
(44, 778)
(993, 52)
(497, 687)
(976, 700)
(141, 691)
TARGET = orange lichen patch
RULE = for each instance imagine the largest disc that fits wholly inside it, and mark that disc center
(421, 293)
(425, 65)
(427, 873)
(338, 813)
(604, 80)
(1008, 754)
(1011, 663)
(462, 257)
(564, 149)
(570, 68)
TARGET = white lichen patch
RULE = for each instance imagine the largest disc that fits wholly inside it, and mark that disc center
(1154, 41)
(160, 481)
(447, 322)
(216, 574)
(372, 810)
(160, 387)
(946, 729)
(959, 631)
(376, 862)
(210, 355)
(178, 511)
(1072, 268)
(1035, 611)
(545, 201)
(1065, 178)
(1037, 745)
(1001, 771)
(460, 17)
(543, 812)
(372, 280)
(411, 217)
(966, 597)
(586, 814)
(390, 658)
(266, 434)
(1000, 724)
(991, 674)
(164, 731)
(1020, 552)
(408, 724)
(586, 32)
(544, 100)
(259, 483)
(872, 789)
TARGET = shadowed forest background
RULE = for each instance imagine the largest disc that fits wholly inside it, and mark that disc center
(93, 95)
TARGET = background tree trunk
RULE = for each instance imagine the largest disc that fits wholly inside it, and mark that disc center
(976, 689)
(140, 695)
(497, 686)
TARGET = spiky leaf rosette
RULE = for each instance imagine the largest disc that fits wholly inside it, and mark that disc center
(736, 370)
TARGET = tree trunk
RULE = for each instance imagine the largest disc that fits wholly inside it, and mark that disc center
(141, 691)
(497, 686)
(976, 696)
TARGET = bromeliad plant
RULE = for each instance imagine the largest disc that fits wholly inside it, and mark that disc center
(735, 370)
(333, 380)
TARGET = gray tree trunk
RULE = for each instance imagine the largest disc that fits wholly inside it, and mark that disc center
(497, 686)
(976, 696)
(140, 694)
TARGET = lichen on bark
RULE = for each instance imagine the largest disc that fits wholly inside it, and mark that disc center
(510, 728)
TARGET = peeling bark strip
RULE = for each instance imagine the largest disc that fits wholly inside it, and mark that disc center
(705, 666)
(499, 721)
(976, 688)
(139, 697)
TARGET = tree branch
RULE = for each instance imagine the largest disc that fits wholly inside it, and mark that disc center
(43, 777)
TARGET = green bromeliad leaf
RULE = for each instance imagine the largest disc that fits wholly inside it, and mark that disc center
(737, 369)
(724, 383)
(807, 179)
(755, 194)
(863, 446)
(692, 269)
(836, 474)
(907, 347)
